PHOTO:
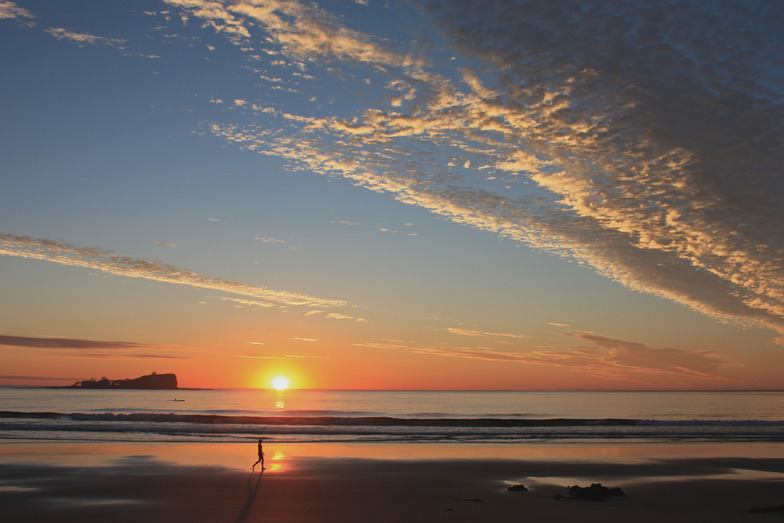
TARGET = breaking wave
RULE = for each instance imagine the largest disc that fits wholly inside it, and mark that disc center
(141, 426)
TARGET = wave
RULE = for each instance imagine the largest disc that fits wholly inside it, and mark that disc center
(318, 420)
(379, 420)
(171, 426)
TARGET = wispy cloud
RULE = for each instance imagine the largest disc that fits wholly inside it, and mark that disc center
(299, 30)
(339, 316)
(166, 244)
(387, 345)
(249, 303)
(83, 39)
(637, 356)
(483, 334)
(598, 138)
(269, 239)
(67, 343)
(336, 316)
(88, 348)
(603, 357)
(284, 357)
(390, 230)
(136, 355)
(10, 10)
(106, 261)
(35, 378)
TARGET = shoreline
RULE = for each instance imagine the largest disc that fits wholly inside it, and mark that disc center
(211, 482)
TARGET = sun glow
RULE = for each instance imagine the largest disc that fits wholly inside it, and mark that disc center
(280, 383)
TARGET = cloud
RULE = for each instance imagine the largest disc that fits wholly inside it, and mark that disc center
(269, 239)
(166, 244)
(636, 356)
(378, 345)
(606, 358)
(286, 357)
(82, 39)
(642, 140)
(35, 378)
(300, 31)
(464, 332)
(249, 303)
(106, 261)
(83, 348)
(339, 316)
(9, 10)
(67, 343)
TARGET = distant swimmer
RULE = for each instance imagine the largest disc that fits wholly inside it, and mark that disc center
(261, 457)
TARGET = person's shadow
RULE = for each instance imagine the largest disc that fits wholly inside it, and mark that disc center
(252, 492)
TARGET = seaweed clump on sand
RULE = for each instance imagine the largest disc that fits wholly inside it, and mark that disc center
(596, 492)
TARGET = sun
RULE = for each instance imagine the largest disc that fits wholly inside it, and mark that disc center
(280, 383)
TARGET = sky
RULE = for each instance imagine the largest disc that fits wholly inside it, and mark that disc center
(367, 194)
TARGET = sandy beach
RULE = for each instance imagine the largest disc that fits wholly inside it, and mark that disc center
(384, 483)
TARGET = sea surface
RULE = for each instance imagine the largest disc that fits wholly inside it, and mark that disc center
(390, 416)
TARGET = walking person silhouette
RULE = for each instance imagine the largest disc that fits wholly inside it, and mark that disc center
(261, 457)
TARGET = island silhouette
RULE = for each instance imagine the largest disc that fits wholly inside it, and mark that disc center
(152, 381)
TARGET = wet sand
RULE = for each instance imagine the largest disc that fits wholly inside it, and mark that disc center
(349, 483)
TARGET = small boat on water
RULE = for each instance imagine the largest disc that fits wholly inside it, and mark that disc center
(175, 399)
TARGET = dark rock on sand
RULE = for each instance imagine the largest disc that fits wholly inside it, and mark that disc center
(596, 492)
(517, 488)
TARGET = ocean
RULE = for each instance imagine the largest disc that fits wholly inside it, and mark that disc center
(313, 416)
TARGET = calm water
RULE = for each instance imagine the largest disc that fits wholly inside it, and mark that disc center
(399, 416)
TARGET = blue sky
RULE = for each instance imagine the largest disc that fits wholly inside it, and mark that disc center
(373, 195)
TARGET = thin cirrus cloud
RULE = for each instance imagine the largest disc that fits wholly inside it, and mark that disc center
(106, 261)
(484, 334)
(9, 11)
(35, 378)
(339, 316)
(134, 356)
(84, 348)
(286, 357)
(66, 343)
(604, 357)
(298, 29)
(82, 39)
(633, 355)
(647, 150)
(269, 239)
(600, 357)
